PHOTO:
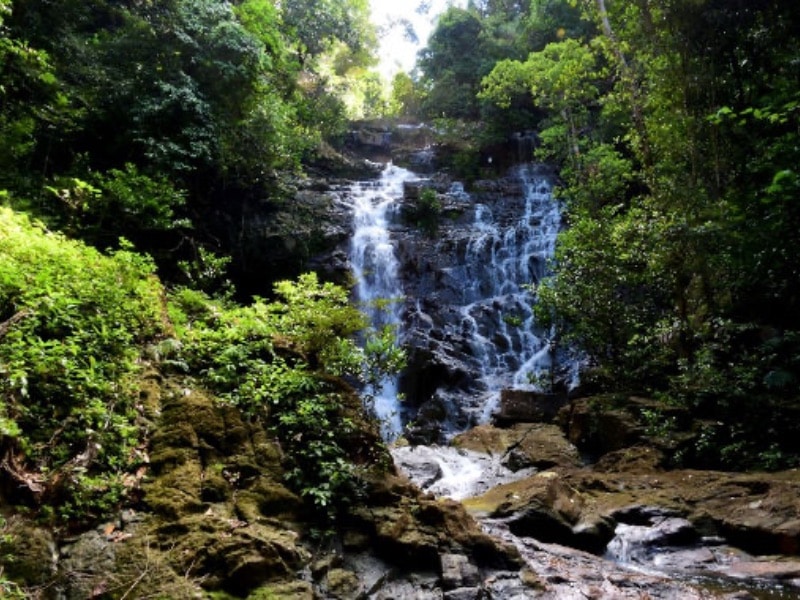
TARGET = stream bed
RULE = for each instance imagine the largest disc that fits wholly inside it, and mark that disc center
(656, 555)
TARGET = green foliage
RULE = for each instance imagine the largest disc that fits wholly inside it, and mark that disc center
(564, 80)
(72, 324)
(281, 361)
(174, 110)
(452, 66)
(406, 96)
(426, 212)
(317, 23)
(117, 203)
(207, 272)
(8, 589)
(28, 88)
(678, 170)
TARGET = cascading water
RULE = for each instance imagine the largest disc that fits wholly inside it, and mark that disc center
(375, 269)
(466, 316)
(507, 253)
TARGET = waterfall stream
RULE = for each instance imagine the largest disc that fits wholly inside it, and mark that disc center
(375, 268)
(465, 293)
(509, 253)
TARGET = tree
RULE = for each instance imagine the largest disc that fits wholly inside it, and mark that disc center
(562, 79)
(452, 67)
(698, 292)
(316, 24)
(406, 97)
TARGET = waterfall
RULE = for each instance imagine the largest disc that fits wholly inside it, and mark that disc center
(375, 268)
(465, 304)
(507, 254)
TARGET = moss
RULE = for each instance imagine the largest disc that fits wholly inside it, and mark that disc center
(342, 583)
(27, 553)
(177, 492)
(214, 487)
(268, 498)
(149, 385)
(291, 590)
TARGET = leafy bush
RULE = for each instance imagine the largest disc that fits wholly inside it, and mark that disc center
(427, 212)
(285, 361)
(71, 324)
(118, 203)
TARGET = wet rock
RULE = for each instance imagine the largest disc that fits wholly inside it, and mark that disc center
(453, 472)
(411, 531)
(560, 572)
(518, 406)
(545, 508)
(413, 589)
(687, 560)
(464, 593)
(763, 569)
(522, 585)
(542, 447)
(466, 306)
(458, 572)
(635, 543)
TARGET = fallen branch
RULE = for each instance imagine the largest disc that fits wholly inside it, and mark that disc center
(5, 326)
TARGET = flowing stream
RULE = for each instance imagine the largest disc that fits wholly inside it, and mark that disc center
(479, 282)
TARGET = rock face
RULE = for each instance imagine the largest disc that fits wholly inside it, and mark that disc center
(581, 529)
(468, 321)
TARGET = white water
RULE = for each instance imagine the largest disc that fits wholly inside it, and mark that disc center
(510, 244)
(452, 472)
(375, 269)
(503, 259)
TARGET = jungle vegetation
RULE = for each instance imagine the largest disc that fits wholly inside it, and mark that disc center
(128, 128)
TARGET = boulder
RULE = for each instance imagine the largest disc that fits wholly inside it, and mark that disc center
(28, 554)
(528, 406)
(411, 530)
(522, 446)
(458, 572)
(599, 425)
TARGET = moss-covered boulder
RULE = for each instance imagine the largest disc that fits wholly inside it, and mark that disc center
(28, 554)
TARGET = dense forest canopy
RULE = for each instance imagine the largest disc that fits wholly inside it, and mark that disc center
(142, 119)
(130, 129)
(139, 126)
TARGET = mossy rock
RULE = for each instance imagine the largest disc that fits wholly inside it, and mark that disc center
(27, 553)
(289, 590)
(226, 553)
(176, 493)
(342, 584)
(268, 498)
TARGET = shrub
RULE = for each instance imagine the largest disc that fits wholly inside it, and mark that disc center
(71, 324)
(285, 361)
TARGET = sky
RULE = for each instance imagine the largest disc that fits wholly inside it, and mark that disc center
(396, 52)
